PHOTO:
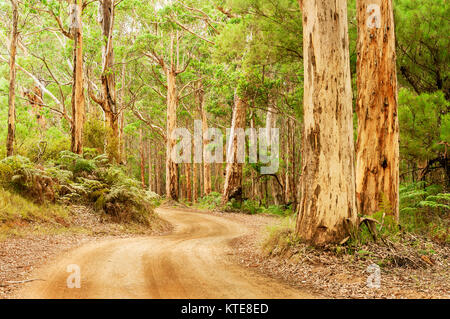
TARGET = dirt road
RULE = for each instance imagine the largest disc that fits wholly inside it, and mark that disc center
(193, 262)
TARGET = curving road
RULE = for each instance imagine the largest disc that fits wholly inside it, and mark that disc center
(193, 262)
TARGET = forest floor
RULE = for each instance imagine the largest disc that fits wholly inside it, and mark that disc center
(207, 255)
(194, 261)
(327, 273)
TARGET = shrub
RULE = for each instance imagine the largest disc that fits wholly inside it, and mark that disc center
(280, 237)
(424, 209)
(77, 164)
(14, 208)
(211, 201)
(23, 177)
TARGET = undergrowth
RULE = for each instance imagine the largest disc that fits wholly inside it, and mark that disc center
(17, 211)
(214, 200)
(419, 237)
(74, 179)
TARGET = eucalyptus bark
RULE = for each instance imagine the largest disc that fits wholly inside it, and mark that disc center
(377, 157)
(271, 122)
(12, 80)
(158, 175)
(108, 102)
(122, 155)
(34, 97)
(219, 174)
(78, 101)
(150, 167)
(195, 182)
(171, 166)
(288, 182)
(142, 157)
(188, 173)
(233, 175)
(206, 166)
(328, 207)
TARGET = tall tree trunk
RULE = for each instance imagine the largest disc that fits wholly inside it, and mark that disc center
(271, 122)
(233, 176)
(188, 182)
(142, 156)
(78, 102)
(112, 141)
(288, 161)
(206, 166)
(195, 183)
(294, 160)
(34, 97)
(150, 166)
(377, 158)
(253, 174)
(12, 81)
(171, 166)
(108, 104)
(158, 174)
(122, 156)
(194, 179)
(219, 174)
(328, 206)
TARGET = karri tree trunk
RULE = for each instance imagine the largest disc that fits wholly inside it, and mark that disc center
(78, 102)
(142, 157)
(35, 98)
(233, 175)
(188, 173)
(271, 122)
(219, 174)
(12, 80)
(206, 166)
(158, 174)
(328, 207)
(150, 152)
(171, 166)
(377, 157)
(194, 182)
(289, 158)
(108, 94)
(122, 155)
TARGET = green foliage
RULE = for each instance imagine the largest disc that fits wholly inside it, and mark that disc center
(424, 209)
(79, 180)
(253, 207)
(211, 201)
(94, 134)
(20, 175)
(125, 199)
(16, 210)
(423, 56)
(280, 237)
(77, 164)
(424, 124)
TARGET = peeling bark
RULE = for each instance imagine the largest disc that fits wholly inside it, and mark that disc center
(233, 176)
(377, 158)
(171, 166)
(78, 101)
(206, 166)
(327, 207)
(142, 157)
(12, 81)
(150, 166)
